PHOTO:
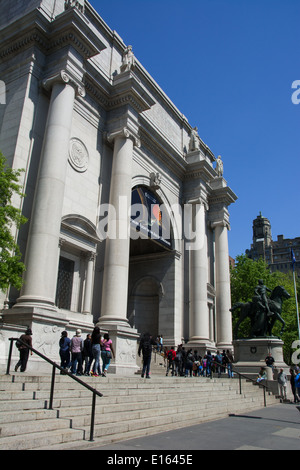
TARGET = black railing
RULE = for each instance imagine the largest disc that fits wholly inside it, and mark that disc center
(240, 376)
(54, 367)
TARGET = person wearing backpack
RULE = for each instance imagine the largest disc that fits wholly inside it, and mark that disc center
(189, 363)
(24, 351)
(219, 362)
(145, 347)
(171, 355)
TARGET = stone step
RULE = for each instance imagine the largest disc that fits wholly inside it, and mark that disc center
(65, 399)
(14, 416)
(38, 439)
(26, 427)
(125, 433)
(130, 407)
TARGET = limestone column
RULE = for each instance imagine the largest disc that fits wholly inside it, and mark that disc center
(116, 264)
(199, 317)
(42, 253)
(87, 300)
(223, 296)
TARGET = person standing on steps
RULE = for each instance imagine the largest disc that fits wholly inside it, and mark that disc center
(96, 351)
(24, 351)
(145, 347)
(76, 347)
(64, 351)
(106, 353)
(171, 355)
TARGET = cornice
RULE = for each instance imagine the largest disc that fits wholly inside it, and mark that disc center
(201, 169)
(223, 196)
(71, 27)
(68, 29)
(127, 88)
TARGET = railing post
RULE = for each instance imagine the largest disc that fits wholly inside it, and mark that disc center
(93, 417)
(9, 355)
(265, 398)
(240, 382)
(52, 388)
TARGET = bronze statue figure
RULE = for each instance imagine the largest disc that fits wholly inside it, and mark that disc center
(263, 311)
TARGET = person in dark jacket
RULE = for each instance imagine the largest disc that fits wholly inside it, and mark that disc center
(87, 354)
(64, 350)
(145, 347)
(24, 351)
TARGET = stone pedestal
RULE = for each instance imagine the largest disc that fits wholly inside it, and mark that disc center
(46, 327)
(250, 355)
(124, 341)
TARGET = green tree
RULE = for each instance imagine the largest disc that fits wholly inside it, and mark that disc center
(11, 268)
(244, 279)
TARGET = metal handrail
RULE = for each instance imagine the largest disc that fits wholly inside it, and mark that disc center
(265, 387)
(54, 367)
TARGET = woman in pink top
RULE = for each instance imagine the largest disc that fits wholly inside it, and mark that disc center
(106, 353)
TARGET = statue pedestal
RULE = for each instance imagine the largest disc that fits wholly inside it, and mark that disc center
(250, 355)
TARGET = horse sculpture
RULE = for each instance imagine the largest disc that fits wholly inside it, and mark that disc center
(262, 319)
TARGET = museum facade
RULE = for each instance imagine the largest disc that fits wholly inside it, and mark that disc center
(127, 207)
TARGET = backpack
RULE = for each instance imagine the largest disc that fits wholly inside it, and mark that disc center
(147, 347)
(170, 356)
(18, 344)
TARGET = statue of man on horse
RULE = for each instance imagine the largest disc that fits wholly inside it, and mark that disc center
(263, 311)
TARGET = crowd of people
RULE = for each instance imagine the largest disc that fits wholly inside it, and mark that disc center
(188, 363)
(184, 362)
(82, 357)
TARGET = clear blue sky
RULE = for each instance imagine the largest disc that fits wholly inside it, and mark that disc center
(228, 66)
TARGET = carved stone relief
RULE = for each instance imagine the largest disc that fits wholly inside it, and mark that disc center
(78, 155)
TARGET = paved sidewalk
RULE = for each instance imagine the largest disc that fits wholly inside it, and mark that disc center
(272, 428)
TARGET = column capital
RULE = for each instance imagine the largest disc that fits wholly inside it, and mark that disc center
(220, 223)
(64, 77)
(126, 133)
(198, 200)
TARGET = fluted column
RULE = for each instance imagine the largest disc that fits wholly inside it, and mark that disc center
(87, 300)
(223, 295)
(116, 264)
(199, 316)
(42, 253)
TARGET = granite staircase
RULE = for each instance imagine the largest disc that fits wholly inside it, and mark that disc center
(130, 407)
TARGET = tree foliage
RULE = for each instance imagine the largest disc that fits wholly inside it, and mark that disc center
(244, 279)
(11, 268)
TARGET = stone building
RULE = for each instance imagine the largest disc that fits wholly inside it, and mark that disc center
(276, 253)
(95, 133)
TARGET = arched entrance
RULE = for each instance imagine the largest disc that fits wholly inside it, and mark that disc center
(145, 300)
(150, 248)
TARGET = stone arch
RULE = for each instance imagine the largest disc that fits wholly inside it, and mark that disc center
(145, 299)
(175, 219)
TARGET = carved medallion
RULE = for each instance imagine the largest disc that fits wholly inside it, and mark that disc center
(78, 155)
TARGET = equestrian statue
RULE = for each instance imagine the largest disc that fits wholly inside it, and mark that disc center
(263, 311)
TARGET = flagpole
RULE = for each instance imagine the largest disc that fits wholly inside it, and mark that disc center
(295, 288)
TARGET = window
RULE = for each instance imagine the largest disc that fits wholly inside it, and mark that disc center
(64, 283)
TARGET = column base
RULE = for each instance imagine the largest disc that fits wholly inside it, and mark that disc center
(202, 345)
(32, 302)
(109, 322)
(124, 339)
(46, 327)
